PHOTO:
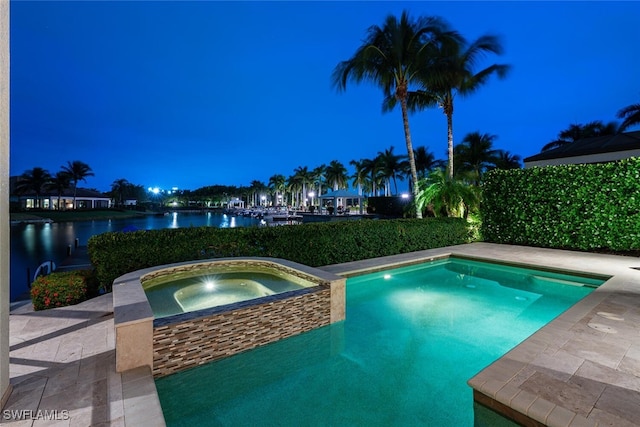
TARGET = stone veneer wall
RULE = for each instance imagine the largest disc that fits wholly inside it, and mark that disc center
(198, 340)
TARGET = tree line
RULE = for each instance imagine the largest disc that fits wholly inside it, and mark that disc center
(39, 180)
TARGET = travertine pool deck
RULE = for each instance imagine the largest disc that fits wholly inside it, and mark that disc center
(582, 369)
(62, 367)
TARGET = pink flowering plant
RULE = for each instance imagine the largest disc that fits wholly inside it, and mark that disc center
(62, 289)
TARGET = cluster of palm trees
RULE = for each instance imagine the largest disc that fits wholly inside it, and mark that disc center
(420, 63)
(379, 176)
(39, 181)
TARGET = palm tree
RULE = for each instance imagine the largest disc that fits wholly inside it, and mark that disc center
(425, 161)
(60, 182)
(372, 169)
(391, 166)
(257, 190)
(453, 74)
(36, 180)
(319, 178)
(630, 116)
(391, 57)
(576, 132)
(476, 154)
(505, 160)
(294, 187)
(359, 176)
(446, 196)
(118, 188)
(78, 171)
(336, 175)
(303, 178)
(277, 184)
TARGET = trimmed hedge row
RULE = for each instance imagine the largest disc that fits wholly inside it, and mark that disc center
(591, 207)
(117, 253)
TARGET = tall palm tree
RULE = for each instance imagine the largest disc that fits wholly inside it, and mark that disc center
(79, 171)
(336, 175)
(36, 180)
(257, 188)
(476, 154)
(453, 74)
(391, 57)
(630, 115)
(304, 178)
(391, 166)
(373, 170)
(294, 188)
(60, 182)
(319, 178)
(576, 132)
(277, 184)
(359, 176)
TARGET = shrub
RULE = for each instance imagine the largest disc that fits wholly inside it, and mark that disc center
(317, 244)
(589, 207)
(63, 289)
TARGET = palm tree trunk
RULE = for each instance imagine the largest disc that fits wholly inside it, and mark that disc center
(448, 110)
(412, 160)
(75, 189)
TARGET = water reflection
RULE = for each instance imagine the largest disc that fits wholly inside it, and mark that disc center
(33, 244)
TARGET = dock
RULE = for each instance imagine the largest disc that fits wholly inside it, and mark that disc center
(78, 259)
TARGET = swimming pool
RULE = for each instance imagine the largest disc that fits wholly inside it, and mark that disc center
(412, 338)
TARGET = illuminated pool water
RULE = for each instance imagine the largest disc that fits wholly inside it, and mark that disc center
(216, 285)
(412, 338)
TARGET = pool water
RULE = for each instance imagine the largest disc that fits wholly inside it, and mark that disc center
(412, 338)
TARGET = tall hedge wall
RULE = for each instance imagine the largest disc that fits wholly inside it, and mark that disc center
(581, 207)
(114, 254)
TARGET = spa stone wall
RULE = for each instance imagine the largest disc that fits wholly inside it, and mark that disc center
(185, 341)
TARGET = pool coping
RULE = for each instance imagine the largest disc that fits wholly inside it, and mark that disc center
(581, 369)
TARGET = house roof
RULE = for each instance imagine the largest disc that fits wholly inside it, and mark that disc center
(589, 146)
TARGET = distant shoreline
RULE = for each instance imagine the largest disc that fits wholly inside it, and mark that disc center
(44, 217)
(57, 216)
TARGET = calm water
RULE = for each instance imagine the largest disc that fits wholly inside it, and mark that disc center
(32, 244)
(411, 340)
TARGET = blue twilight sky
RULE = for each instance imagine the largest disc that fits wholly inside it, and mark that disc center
(189, 94)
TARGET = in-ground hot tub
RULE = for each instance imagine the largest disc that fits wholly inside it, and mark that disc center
(173, 291)
(196, 312)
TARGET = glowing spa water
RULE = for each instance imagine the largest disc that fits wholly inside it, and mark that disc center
(412, 338)
(195, 290)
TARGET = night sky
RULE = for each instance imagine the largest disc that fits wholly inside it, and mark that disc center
(188, 94)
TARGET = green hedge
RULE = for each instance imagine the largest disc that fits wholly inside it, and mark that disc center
(114, 254)
(594, 207)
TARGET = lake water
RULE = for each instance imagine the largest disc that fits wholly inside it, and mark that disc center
(33, 244)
